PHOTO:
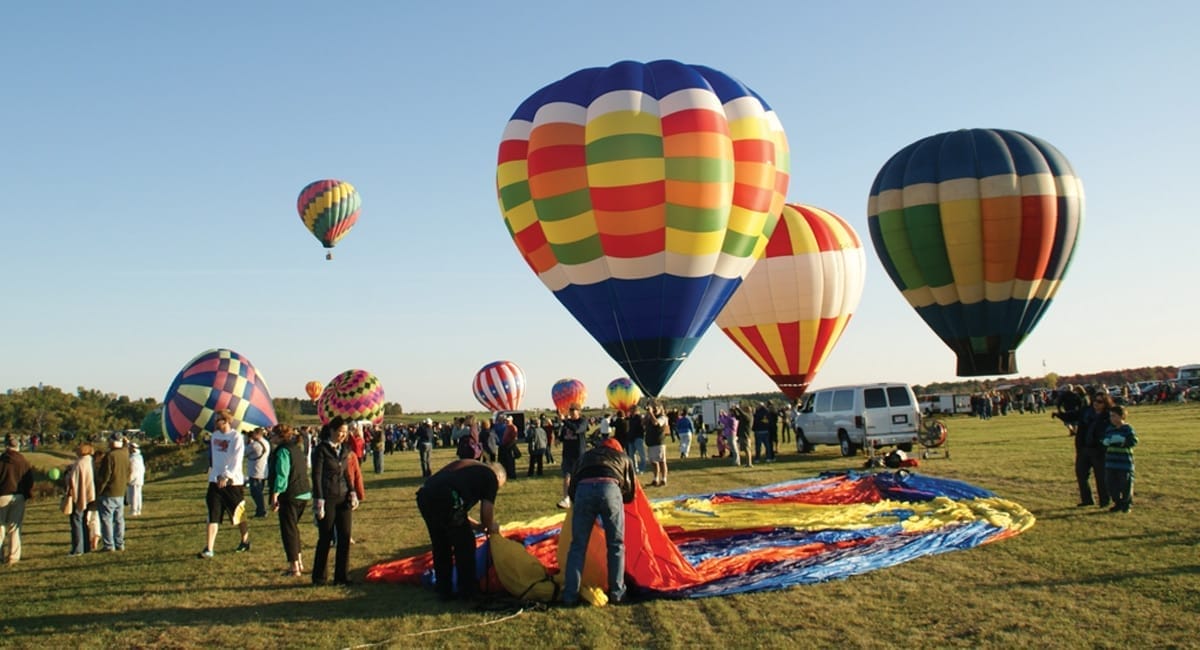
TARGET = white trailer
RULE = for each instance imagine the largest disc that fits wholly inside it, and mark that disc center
(708, 410)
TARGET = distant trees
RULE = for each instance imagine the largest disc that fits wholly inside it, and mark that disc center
(48, 410)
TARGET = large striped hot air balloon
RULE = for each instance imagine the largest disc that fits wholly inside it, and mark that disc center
(792, 308)
(567, 393)
(977, 227)
(622, 394)
(499, 386)
(641, 194)
(329, 209)
(354, 395)
(216, 380)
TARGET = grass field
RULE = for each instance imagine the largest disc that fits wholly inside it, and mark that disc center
(1081, 577)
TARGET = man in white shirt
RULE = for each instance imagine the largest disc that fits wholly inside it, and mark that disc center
(225, 480)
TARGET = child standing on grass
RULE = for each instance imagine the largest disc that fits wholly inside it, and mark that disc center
(1119, 442)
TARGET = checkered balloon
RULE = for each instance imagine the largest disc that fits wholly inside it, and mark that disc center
(216, 380)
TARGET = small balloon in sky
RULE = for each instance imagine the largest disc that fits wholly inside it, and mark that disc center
(329, 209)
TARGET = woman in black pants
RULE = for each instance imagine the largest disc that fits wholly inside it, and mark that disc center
(291, 490)
(333, 501)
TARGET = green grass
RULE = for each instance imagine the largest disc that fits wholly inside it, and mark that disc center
(1079, 578)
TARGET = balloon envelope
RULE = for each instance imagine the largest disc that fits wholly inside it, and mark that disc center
(623, 394)
(568, 393)
(641, 194)
(329, 209)
(976, 228)
(791, 310)
(152, 424)
(499, 386)
(218, 379)
(353, 395)
(313, 389)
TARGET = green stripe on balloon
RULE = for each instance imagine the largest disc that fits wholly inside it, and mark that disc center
(690, 219)
(514, 195)
(924, 226)
(700, 170)
(584, 250)
(563, 206)
(738, 245)
(631, 146)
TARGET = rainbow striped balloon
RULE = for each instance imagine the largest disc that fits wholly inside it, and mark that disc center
(976, 228)
(791, 310)
(329, 209)
(623, 394)
(567, 393)
(499, 386)
(641, 194)
(216, 380)
(354, 395)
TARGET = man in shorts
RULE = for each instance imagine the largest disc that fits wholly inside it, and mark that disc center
(226, 452)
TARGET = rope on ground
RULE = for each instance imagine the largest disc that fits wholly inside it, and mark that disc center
(515, 614)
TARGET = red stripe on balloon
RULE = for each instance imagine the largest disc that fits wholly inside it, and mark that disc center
(755, 339)
(511, 150)
(780, 243)
(825, 237)
(692, 121)
(633, 246)
(789, 336)
(754, 151)
(556, 157)
(1037, 236)
(757, 199)
(628, 197)
(823, 341)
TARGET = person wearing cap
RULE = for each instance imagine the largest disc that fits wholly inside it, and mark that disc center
(226, 451)
(603, 482)
(112, 478)
(137, 479)
(425, 436)
(445, 501)
(16, 487)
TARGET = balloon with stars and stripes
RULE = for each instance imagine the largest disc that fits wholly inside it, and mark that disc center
(499, 386)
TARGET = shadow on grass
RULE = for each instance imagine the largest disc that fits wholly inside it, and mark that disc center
(1102, 578)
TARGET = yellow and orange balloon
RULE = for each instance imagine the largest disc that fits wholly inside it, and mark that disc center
(313, 389)
(793, 307)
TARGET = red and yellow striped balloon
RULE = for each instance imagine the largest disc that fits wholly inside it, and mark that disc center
(792, 308)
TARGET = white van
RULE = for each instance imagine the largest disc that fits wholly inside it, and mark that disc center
(852, 417)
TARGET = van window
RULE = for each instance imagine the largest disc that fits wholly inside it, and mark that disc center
(843, 400)
(898, 396)
(873, 398)
(824, 399)
(808, 403)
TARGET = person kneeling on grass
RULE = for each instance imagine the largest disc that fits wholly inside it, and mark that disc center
(602, 483)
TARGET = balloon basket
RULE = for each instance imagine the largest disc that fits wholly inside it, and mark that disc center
(329, 256)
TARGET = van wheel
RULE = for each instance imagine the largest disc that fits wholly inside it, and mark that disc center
(802, 444)
(848, 448)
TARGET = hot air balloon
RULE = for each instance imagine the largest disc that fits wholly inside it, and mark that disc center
(622, 394)
(499, 386)
(329, 209)
(152, 424)
(216, 380)
(792, 308)
(567, 393)
(976, 228)
(353, 395)
(313, 389)
(641, 194)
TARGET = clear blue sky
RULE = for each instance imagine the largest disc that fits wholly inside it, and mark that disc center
(153, 152)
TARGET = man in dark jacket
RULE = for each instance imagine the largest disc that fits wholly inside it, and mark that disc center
(601, 484)
(111, 481)
(16, 487)
(445, 502)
